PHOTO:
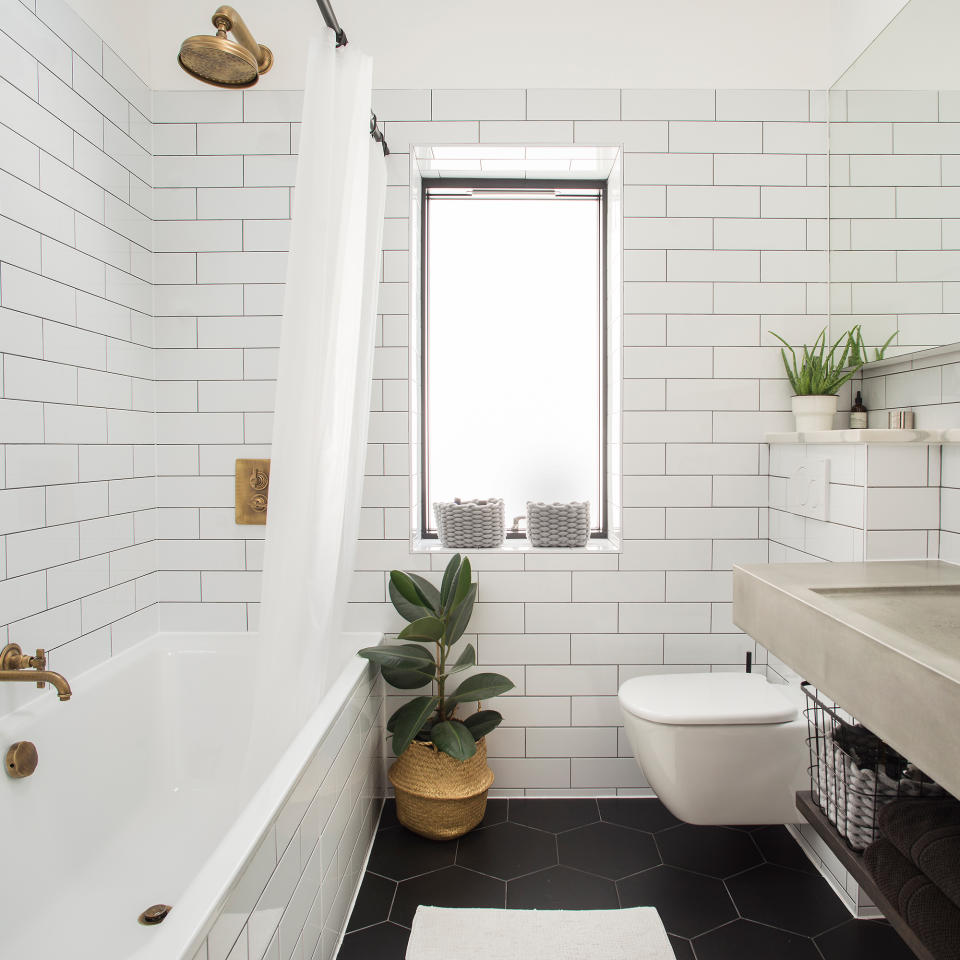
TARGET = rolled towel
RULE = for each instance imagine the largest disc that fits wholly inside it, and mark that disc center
(927, 832)
(932, 917)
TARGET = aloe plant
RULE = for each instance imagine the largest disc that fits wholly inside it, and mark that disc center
(821, 372)
(858, 352)
(436, 621)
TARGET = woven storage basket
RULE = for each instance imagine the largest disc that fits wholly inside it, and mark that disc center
(558, 524)
(439, 797)
(470, 524)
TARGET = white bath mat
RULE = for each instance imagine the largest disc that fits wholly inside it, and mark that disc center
(458, 934)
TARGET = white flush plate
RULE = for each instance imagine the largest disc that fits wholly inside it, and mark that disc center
(807, 489)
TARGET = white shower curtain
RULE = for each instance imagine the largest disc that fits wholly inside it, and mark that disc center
(323, 385)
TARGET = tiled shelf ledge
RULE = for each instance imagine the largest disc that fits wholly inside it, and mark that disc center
(519, 545)
(951, 436)
(863, 436)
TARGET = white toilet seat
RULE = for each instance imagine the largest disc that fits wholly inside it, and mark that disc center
(706, 698)
(719, 748)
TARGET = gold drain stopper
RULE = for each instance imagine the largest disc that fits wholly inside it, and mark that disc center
(155, 914)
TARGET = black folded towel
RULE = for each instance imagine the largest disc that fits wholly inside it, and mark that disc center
(927, 832)
(932, 917)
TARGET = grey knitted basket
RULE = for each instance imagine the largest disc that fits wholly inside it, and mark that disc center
(558, 524)
(470, 524)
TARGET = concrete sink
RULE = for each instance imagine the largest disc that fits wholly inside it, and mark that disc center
(881, 638)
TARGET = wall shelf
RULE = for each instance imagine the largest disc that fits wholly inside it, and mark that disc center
(854, 864)
(860, 436)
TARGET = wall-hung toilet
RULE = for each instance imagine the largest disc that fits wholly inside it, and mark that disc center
(719, 748)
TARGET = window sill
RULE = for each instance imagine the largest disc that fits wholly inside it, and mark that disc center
(520, 546)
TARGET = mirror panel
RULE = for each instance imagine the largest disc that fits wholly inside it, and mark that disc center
(895, 184)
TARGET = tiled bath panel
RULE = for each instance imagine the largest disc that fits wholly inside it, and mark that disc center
(723, 893)
(292, 899)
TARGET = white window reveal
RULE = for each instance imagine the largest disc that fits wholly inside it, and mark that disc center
(513, 344)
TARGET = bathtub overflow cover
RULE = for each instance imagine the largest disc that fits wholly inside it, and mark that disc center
(155, 914)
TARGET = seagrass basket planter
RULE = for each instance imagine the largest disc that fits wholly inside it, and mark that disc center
(438, 797)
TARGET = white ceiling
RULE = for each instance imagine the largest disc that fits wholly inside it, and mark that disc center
(526, 43)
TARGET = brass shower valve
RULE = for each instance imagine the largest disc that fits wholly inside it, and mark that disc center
(252, 483)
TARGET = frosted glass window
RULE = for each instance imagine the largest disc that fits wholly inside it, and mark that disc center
(513, 346)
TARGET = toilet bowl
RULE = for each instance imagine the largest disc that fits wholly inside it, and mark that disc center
(719, 748)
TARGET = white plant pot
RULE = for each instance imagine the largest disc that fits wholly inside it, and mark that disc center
(814, 413)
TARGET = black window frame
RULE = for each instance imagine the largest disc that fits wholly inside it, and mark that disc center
(599, 528)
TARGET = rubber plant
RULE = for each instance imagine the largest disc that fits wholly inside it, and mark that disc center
(436, 621)
(821, 372)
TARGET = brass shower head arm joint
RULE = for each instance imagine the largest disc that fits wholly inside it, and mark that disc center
(226, 18)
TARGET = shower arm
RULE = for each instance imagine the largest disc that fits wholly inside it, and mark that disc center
(228, 20)
(330, 19)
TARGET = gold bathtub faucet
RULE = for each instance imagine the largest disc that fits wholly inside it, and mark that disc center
(19, 666)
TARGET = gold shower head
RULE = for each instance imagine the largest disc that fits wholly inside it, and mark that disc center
(223, 62)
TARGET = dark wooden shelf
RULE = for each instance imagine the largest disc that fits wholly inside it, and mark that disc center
(853, 862)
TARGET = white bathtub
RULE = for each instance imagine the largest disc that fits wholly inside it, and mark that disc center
(145, 793)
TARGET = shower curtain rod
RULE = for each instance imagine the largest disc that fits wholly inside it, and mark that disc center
(330, 18)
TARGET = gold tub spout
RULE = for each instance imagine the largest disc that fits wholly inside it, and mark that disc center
(18, 666)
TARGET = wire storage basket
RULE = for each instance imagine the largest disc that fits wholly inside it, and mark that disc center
(470, 524)
(558, 524)
(853, 773)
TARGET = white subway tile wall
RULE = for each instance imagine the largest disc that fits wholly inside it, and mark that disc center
(78, 509)
(725, 237)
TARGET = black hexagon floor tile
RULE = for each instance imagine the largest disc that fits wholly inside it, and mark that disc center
(388, 815)
(642, 813)
(449, 887)
(561, 888)
(863, 940)
(608, 850)
(688, 903)
(777, 846)
(714, 851)
(507, 850)
(399, 854)
(554, 816)
(496, 813)
(373, 901)
(682, 949)
(743, 940)
(788, 899)
(385, 941)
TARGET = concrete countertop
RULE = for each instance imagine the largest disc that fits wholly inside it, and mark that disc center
(882, 639)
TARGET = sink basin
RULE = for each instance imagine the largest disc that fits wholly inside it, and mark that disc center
(927, 614)
(882, 639)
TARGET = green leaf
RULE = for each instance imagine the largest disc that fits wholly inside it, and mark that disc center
(480, 686)
(460, 616)
(426, 628)
(409, 719)
(466, 660)
(450, 579)
(405, 678)
(408, 655)
(428, 591)
(482, 722)
(454, 739)
(463, 584)
(409, 590)
(409, 611)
